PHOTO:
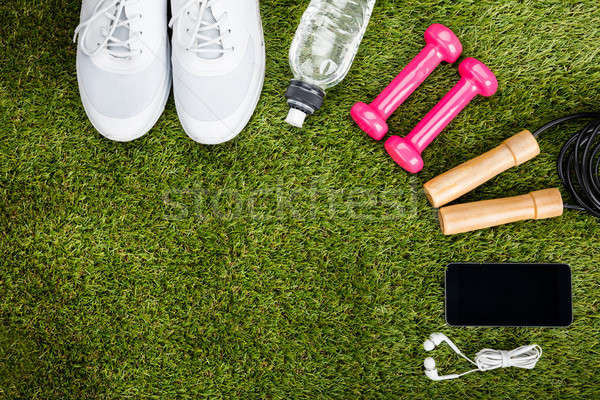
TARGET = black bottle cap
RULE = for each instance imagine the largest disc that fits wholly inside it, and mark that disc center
(304, 97)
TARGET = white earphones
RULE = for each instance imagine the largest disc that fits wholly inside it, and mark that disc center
(485, 360)
(435, 339)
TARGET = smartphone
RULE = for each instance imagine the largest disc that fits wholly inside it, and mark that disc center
(530, 295)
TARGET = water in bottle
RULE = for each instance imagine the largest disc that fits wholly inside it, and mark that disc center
(323, 50)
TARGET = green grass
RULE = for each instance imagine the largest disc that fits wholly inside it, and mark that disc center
(283, 264)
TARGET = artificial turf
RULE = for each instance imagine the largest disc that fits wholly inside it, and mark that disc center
(286, 263)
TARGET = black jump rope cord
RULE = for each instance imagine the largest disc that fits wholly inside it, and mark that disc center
(578, 163)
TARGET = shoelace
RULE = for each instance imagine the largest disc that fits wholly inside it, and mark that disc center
(114, 10)
(200, 42)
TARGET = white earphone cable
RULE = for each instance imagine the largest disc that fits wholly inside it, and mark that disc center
(523, 357)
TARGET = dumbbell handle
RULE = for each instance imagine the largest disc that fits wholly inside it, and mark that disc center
(411, 77)
(462, 179)
(468, 217)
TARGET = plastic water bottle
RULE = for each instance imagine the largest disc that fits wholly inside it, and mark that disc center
(323, 50)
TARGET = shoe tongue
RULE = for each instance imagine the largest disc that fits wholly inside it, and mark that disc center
(122, 33)
(208, 18)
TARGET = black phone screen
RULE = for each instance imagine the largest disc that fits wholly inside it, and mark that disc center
(508, 295)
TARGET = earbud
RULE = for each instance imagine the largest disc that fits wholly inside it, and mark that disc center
(429, 364)
(428, 345)
(435, 339)
(432, 373)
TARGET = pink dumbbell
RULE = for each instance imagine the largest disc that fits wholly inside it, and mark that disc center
(442, 45)
(476, 79)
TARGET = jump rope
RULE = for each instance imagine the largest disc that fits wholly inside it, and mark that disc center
(577, 166)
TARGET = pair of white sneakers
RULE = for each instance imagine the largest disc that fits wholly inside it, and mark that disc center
(125, 65)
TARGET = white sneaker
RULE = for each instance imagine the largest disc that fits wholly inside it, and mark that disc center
(123, 66)
(218, 66)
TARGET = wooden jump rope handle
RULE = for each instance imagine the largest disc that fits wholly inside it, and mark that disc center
(484, 214)
(462, 179)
